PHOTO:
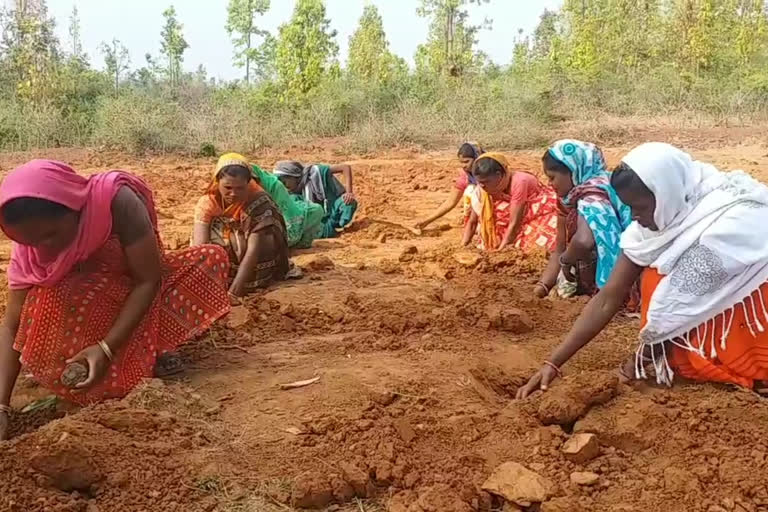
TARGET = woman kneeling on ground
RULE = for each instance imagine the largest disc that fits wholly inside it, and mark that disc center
(590, 220)
(318, 184)
(238, 215)
(303, 220)
(510, 208)
(89, 283)
(464, 184)
(700, 240)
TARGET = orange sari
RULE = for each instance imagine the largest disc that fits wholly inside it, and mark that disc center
(745, 356)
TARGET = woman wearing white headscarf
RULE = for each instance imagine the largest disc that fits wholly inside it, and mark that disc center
(700, 238)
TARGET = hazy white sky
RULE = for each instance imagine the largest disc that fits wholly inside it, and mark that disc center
(137, 23)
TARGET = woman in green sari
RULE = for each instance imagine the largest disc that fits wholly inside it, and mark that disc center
(303, 220)
(317, 184)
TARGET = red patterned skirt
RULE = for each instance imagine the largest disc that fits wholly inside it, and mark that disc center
(539, 226)
(58, 322)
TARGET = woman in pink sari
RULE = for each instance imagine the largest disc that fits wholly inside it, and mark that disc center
(89, 283)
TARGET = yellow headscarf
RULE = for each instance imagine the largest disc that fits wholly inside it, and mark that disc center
(487, 218)
(233, 210)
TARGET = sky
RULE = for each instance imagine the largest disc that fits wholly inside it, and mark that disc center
(137, 23)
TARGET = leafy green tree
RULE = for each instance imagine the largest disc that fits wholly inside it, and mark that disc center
(450, 47)
(369, 55)
(117, 61)
(31, 49)
(241, 25)
(306, 49)
(75, 38)
(173, 45)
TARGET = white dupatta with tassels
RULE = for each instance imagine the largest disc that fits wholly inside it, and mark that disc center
(711, 248)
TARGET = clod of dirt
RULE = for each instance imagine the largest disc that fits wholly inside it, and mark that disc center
(572, 398)
(518, 484)
(467, 259)
(388, 267)
(238, 317)
(632, 431)
(359, 480)
(405, 430)
(407, 254)
(312, 491)
(319, 263)
(68, 465)
(383, 238)
(440, 498)
(581, 448)
(74, 374)
(584, 478)
(509, 320)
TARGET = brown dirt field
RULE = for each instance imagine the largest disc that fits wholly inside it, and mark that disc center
(413, 408)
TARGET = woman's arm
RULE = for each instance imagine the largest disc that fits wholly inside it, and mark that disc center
(448, 205)
(549, 277)
(137, 236)
(9, 358)
(347, 171)
(582, 243)
(469, 229)
(201, 234)
(516, 214)
(245, 271)
(593, 319)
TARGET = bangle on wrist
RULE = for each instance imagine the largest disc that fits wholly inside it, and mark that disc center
(554, 367)
(543, 285)
(5, 409)
(107, 351)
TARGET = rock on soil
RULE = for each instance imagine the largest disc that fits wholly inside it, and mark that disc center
(584, 478)
(568, 401)
(508, 319)
(467, 259)
(581, 448)
(68, 465)
(516, 483)
(74, 374)
(319, 262)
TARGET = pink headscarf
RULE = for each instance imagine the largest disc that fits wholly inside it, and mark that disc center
(92, 197)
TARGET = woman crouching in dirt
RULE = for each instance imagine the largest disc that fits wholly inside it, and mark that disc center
(464, 184)
(700, 240)
(510, 208)
(317, 184)
(237, 214)
(90, 284)
(590, 221)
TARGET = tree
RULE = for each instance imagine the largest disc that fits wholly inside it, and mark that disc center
(173, 45)
(117, 60)
(241, 16)
(369, 55)
(306, 49)
(75, 38)
(31, 49)
(450, 48)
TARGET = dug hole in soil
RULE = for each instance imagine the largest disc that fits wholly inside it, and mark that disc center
(419, 346)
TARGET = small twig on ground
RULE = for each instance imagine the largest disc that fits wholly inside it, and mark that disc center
(360, 504)
(299, 383)
(234, 347)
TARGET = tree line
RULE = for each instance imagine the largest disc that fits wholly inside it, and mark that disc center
(620, 56)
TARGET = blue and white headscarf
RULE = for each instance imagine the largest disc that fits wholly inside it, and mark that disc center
(595, 200)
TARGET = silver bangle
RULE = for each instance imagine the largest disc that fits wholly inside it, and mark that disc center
(107, 350)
